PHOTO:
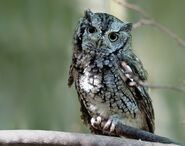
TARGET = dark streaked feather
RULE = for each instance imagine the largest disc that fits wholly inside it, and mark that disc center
(141, 93)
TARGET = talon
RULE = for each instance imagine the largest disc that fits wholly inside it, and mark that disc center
(112, 128)
(93, 121)
(111, 123)
(96, 122)
(107, 125)
(98, 119)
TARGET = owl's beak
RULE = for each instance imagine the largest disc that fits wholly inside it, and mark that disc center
(99, 43)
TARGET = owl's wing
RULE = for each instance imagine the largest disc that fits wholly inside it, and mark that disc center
(71, 78)
(140, 92)
(77, 36)
(72, 72)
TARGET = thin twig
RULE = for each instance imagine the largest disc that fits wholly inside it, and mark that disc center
(180, 87)
(162, 28)
(143, 22)
(133, 7)
(168, 87)
(148, 20)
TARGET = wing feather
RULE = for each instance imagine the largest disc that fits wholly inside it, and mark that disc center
(140, 92)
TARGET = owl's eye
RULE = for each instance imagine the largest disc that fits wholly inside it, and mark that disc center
(91, 29)
(113, 36)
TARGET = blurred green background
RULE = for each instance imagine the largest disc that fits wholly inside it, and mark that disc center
(35, 54)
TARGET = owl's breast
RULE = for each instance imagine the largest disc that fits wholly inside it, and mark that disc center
(91, 87)
(90, 82)
(104, 93)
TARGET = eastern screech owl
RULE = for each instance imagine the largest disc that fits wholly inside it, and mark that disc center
(104, 69)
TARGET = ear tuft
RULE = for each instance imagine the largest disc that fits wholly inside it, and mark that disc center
(128, 26)
(88, 14)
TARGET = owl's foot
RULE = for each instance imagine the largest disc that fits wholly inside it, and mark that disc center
(110, 125)
(96, 122)
(106, 126)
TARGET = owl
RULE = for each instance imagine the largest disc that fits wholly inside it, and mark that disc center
(106, 72)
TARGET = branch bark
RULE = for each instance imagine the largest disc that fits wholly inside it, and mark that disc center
(54, 138)
(135, 133)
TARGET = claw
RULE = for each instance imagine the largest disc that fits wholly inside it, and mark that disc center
(98, 119)
(110, 125)
(96, 122)
(112, 128)
(93, 122)
(107, 125)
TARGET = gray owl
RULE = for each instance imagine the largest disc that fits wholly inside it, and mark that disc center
(104, 69)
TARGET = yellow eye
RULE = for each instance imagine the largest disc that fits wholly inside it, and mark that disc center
(91, 29)
(113, 36)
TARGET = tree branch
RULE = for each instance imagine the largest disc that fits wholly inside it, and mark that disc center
(54, 138)
(178, 88)
(141, 134)
(162, 28)
(137, 81)
(148, 20)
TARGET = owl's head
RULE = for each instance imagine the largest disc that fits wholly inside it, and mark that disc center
(102, 33)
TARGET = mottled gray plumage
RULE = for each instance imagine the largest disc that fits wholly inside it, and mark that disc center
(102, 64)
